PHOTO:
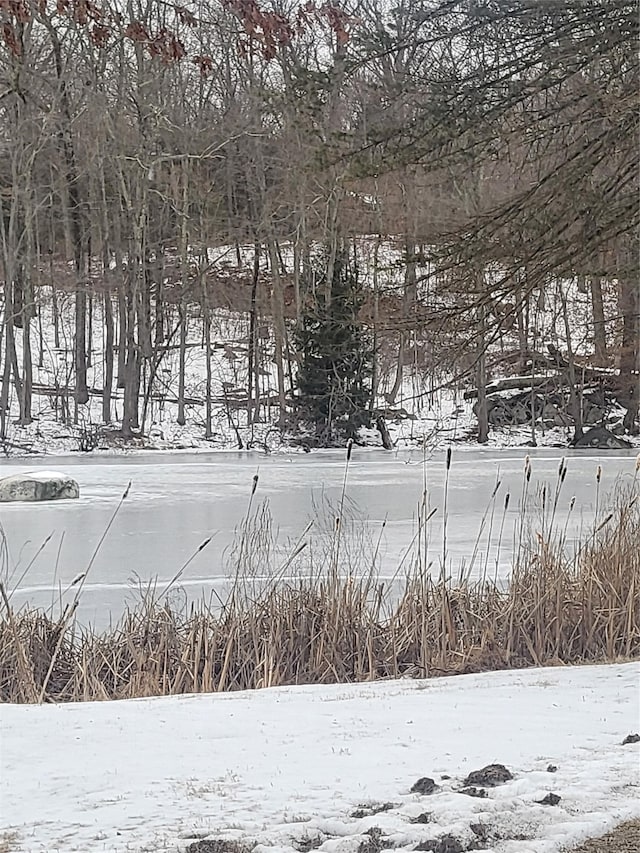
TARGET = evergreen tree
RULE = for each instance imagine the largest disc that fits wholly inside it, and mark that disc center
(334, 375)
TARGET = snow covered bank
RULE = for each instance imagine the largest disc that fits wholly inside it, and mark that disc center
(292, 767)
(428, 411)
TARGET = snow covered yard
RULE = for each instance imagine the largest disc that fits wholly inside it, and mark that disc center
(328, 767)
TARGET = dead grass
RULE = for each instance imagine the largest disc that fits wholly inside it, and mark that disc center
(623, 839)
(563, 606)
(8, 842)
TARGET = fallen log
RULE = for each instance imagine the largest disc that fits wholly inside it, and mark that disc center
(521, 383)
(59, 391)
(584, 376)
(583, 371)
(528, 357)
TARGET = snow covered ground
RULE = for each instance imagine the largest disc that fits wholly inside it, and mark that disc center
(328, 767)
(438, 416)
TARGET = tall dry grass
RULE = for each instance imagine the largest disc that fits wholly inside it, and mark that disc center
(566, 603)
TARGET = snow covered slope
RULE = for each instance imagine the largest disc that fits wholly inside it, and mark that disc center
(328, 766)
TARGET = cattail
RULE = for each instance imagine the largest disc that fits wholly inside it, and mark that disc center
(300, 548)
(349, 448)
(598, 473)
(255, 485)
(448, 458)
(506, 501)
(204, 544)
(606, 521)
(572, 503)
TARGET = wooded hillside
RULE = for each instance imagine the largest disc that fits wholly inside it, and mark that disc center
(468, 165)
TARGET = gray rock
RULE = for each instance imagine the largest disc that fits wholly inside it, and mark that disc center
(38, 486)
(490, 776)
(603, 438)
(550, 800)
(552, 416)
(499, 414)
(520, 414)
(594, 415)
(424, 785)
(472, 791)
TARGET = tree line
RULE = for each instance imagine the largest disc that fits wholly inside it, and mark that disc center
(493, 142)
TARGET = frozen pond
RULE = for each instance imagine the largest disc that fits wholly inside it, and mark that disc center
(178, 501)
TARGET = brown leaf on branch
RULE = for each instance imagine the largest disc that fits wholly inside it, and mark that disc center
(338, 21)
(80, 12)
(11, 39)
(270, 29)
(166, 46)
(99, 35)
(204, 63)
(186, 17)
(18, 10)
(135, 31)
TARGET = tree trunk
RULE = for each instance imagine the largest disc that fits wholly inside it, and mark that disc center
(80, 345)
(253, 401)
(74, 211)
(408, 302)
(297, 267)
(397, 383)
(208, 428)
(107, 388)
(630, 353)
(130, 416)
(9, 357)
(159, 331)
(382, 428)
(182, 308)
(27, 370)
(522, 306)
(54, 303)
(575, 402)
(40, 340)
(122, 331)
(599, 328)
(376, 322)
(181, 420)
(144, 307)
(277, 310)
(89, 353)
(481, 377)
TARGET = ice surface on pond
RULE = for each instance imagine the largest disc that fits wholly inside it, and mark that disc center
(177, 502)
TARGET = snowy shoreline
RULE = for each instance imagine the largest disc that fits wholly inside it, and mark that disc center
(426, 413)
(275, 768)
(46, 439)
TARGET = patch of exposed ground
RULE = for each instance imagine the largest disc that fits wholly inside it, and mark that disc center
(624, 839)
